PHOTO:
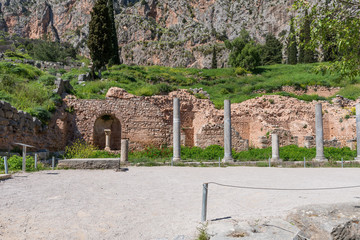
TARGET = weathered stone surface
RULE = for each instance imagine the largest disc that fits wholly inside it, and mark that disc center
(347, 231)
(107, 163)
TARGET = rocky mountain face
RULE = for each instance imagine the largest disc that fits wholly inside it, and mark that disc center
(174, 33)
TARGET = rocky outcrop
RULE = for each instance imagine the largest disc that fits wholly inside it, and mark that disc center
(164, 32)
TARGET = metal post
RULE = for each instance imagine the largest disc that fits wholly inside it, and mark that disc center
(53, 163)
(36, 159)
(172, 161)
(6, 165)
(342, 162)
(269, 162)
(304, 162)
(24, 159)
(204, 202)
(219, 162)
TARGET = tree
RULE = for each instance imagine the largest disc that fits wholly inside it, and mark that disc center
(335, 29)
(214, 59)
(306, 55)
(272, 50)
(244, 52)
(115, 59)
(100, 35)
(292, 45)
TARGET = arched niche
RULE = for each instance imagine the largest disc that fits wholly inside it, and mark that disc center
(107, 121)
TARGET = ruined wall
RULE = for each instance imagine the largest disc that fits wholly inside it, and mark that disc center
(147, 121)
(21, 127)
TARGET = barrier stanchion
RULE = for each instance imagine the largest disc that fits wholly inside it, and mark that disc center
(304, 162)
(342, 162)
(269, 162)
(36, 159)
(204, 202)
(53, 163)
(219, 162)
(6, 165)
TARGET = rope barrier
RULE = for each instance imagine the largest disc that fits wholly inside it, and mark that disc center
(285, 189)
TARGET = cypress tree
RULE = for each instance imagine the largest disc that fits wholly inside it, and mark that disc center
(115, 59)
(292, 46)
(308, 53)
(214, 59)
(100, 35)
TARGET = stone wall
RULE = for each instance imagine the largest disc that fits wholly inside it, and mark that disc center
(147, 121)
(21, 127)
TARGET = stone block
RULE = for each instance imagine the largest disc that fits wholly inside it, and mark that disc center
(9, 114)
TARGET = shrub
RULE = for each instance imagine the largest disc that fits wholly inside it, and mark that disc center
(41, 113)
(164, 88)
(79, 149)
(47, 80)
(241, 71)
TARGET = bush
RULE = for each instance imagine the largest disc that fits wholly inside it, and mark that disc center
(47, 80)
(80, 149)
(42, 114)
(239, 71)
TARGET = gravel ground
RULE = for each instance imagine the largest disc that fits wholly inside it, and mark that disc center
(156, 202)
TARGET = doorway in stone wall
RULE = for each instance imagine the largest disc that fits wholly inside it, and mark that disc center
(107, 122)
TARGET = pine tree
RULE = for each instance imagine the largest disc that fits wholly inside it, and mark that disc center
(292, 46)
(100, 35)
(214, 59)
(115, 59)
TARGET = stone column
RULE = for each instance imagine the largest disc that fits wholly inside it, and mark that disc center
(107, 139)
(227, 132)
(176, 130)
(358, 131)
(319, 134)
(275, 157)
(124, 150)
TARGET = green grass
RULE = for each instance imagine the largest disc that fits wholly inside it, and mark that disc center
(219, 83)
(23, 87)
(214, 152)
(15, 164)
(30, 89)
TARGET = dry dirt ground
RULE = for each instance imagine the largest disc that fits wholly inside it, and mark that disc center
(156, 202)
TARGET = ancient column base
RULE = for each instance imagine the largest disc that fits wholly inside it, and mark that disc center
(176, 159)
(228, 160)
(320, 159)
(276, 160)
(107, 149)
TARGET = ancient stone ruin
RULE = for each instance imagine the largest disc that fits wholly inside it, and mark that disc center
(148, 121)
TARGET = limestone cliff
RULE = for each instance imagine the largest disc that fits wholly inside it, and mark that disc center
(163, 32)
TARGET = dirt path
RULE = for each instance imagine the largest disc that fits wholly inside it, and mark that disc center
(155, 202)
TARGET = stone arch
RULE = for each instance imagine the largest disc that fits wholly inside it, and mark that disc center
(107, 121)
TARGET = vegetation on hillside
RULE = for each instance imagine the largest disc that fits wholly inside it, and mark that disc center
(28, 88)
(219, 83)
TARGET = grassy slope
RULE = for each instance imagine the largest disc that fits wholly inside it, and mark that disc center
(30, 89)
(219, 83)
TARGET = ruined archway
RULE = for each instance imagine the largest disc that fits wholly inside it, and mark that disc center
(107, 122)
